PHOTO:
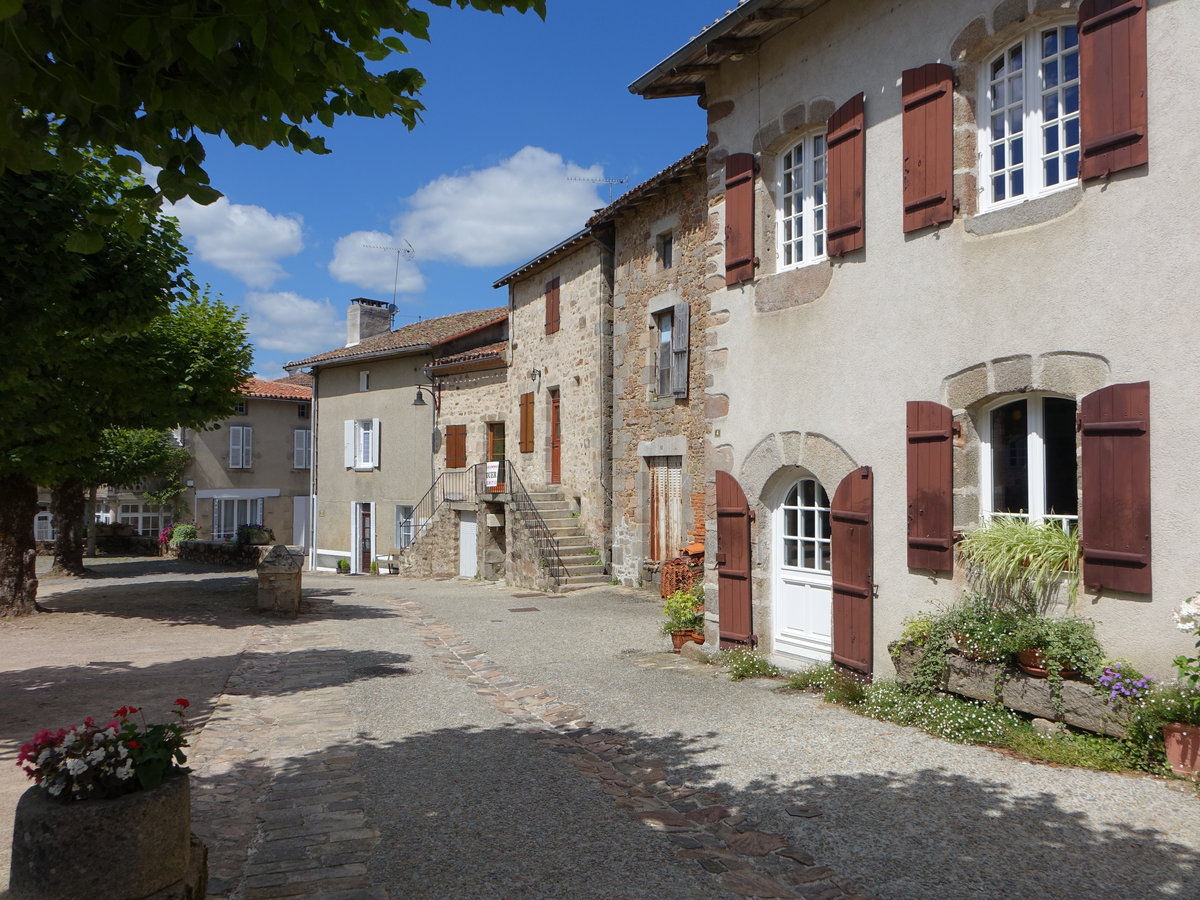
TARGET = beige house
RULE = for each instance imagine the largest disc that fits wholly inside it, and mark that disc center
(938, 233)
(253, 468)
(377, 430)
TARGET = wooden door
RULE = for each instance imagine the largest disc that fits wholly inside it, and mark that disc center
(853, 573)
(555, 438)
(495, 453)
(733, 563)
(364, 537)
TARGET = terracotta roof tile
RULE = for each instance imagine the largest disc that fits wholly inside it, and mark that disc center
(301, 378)
(497, 349)
(648, 187)
(418, 334)
(275, 390)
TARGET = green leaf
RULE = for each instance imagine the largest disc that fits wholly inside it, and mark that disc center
(87, 241)
(9, 8)
(204, 194)
(201, 37)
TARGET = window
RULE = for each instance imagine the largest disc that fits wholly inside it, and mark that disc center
(664, 321)
(302, 448)
(364, 380)
(404, 526)
(241, 446)
(552, 303)
(302, 410)
(229, 514)
(1030, 135)
(146, 519)
(665, 250)
(361, 443)
(43, 527)
(1029, 460)
(805, 530)
(239, 408)
(802, 196)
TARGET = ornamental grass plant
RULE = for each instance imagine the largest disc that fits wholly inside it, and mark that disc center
(1020, 564)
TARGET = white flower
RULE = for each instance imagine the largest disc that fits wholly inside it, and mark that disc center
(125, 772)
(55, 788)
(96, 755)
(76, 766)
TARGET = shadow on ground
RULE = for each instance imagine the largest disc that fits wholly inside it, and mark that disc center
(498, 812)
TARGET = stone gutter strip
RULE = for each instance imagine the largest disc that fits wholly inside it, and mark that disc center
(747, 862)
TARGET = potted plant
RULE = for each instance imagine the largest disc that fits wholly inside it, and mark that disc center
(343, 567)
(1181, 735)
(108, 814)
(1020, 563)
(255, 533)
(1055, 648)
(684, 611)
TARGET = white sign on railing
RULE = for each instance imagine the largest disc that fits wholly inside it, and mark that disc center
(493, 474)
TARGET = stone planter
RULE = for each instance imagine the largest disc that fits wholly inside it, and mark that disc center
(126, 848)
(1182, 743)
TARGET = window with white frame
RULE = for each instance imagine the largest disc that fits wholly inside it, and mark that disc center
(241, 447)
(302, 448)
(805, 530)
(229, 514)
(43, 527)
(1029, 460)
(404, 526)
(801, 225)
(146, 518)
(664, 322)
(361, 443)
(1029, 136)
(364, 380)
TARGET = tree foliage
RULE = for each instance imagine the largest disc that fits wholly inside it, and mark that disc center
(150, 76)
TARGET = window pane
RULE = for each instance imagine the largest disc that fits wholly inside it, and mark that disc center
(998, 188)
(1050, 139)
(1071, 99)
(997, 157)
(1018, 151)
(810, 523)
(808, 493)
(1049, 43)
(1010, 459)
(1015, 58)
(1052, 171)
(1070, 36)
(790, 520)
(998, 95)
(1070, 67)
(1018, 182)
(825, 520)
(1062, 499)
(1072, 164)
(1050, 74)
(791, 497)
(810, 555)
(1071, 133)
(1016, 90)
(1016, 120)
(997, 127)
(790, 557)
(997, 68)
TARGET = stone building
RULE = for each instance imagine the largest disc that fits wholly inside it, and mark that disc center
(939, 233)
(660, 233)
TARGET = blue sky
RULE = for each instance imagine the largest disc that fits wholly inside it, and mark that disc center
(516, 108)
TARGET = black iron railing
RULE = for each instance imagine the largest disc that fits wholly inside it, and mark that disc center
(543, 538)
(446, 488)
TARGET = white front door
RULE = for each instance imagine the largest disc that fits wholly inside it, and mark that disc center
(803, 596)
(301, 509)
(467, 526)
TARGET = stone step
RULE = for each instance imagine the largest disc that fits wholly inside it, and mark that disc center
(548, 496)
(544, 505)
(579, 582)
(574, 560)
(564, 513)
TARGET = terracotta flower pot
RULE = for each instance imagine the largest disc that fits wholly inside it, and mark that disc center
(679, 638)
(1033, 663)
(1182, 744)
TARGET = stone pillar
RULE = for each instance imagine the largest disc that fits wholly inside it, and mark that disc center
(279, 582)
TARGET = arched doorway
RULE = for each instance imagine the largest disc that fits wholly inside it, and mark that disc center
(802, 607)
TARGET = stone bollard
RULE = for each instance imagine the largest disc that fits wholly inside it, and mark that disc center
(279, 582)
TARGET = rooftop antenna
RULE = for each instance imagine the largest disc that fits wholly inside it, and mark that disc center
(609, 181)
(407, 252)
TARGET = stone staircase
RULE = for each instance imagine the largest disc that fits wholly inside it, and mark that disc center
(584, 568)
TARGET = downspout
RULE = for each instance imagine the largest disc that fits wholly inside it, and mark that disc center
(312, 481)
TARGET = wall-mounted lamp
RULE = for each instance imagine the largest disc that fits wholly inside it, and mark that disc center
(535, 374)
(419, 400)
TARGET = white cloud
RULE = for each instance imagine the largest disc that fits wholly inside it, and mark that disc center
(292, 325)
(245, 240)
(356, 261)
(502, 214)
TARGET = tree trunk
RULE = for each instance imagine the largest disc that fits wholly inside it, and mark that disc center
(66, 502)
(18, 553)
(90, 521)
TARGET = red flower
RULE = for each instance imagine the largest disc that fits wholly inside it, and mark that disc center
(182, 703)
(134, 745)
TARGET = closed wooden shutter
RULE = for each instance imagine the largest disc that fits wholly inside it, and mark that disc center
(348, 442)
(1115, 516)
(235, 447)
(456, 446)
(930, 431)
(928, 97)
(666, 506)
(679, 350)
(526, 437)
(852, 546)
(733, 563)
(552, 313)
(845, 157)
(739, 218)
(1112, 86)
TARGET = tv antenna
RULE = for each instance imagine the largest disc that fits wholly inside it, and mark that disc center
(609, 181)
(407, 252)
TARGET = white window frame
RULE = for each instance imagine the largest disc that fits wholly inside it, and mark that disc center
(405, 525)
(664, 325)
(302, 448)
(241, 447)
(361, 444)
(364, 380)
(1035, 451)
(802, 183)
(820, 538)
(246, 511)
(147, 519)
(1031, 115)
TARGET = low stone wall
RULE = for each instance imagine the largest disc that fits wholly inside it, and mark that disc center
(523, 566)
(1082, 705)
(113, 545)
(224, 553)
(435, 553)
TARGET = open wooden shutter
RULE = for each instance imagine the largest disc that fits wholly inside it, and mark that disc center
(930, 430)
(348, 442)
(845, 157)
(552, 315)
(679, 350)
(733, 563)
(526, 437)
(1115, 521)
(235, 447)
(739, 218)
(851, 539)
(456, 446)
(1112, 86)
(375, 443)
(928, 97)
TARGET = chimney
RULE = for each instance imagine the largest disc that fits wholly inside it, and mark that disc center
(367, 318)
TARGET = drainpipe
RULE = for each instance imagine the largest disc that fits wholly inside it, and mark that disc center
(312, 480)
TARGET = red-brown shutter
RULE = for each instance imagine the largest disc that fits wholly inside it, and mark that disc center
(733, 563)
(739, 218)
(930, 429)
(456, 446)
(552, 306)
(1115, 521)
(928, 97)
(850, 518)
(527, 423)
(1112, 86)
(845, 149)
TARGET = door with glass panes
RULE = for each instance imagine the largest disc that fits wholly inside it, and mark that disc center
(803, 597)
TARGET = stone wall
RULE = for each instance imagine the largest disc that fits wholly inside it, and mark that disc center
(474, 399)
(434, 554)
(224, 553)
(644, 424)
(523, 563)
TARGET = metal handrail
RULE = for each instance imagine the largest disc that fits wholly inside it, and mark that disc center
(533, 520)
(446, 488)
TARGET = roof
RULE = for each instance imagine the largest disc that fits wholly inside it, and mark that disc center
(571, 243)
(486, 353)
(736, 34)
(300, 378)
(648, 188)
(415, 337)
(274, 390)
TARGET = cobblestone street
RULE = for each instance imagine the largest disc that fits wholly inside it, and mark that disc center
(458, 739)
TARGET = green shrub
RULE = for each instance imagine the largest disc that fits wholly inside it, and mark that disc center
(343, 566)
(746, 664)
(183, 532)
(684, 612)
(919, 630)
(814, 679)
